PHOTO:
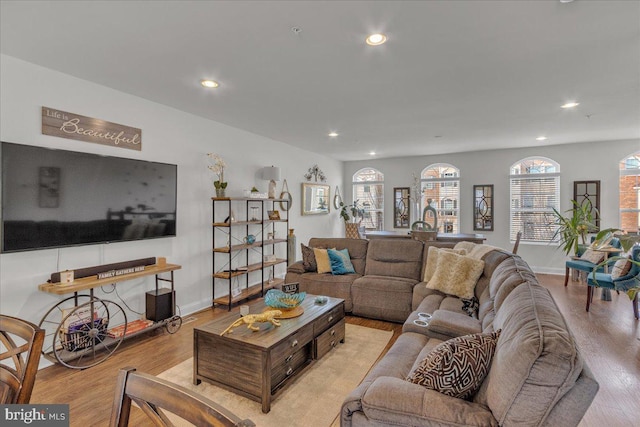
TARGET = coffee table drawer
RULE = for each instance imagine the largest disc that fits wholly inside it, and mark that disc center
(329, 339)
(291, 344)
(290, 365)
(326, 320)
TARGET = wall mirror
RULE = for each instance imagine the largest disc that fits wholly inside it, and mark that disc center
(337, 199)
(483, 207)
(401, 207)
(315, 199)
(588, 192)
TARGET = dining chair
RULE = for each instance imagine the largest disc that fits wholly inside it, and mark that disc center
(629, 281)
(20, 347)
(155, 397)
(576, 263)
(517, 243)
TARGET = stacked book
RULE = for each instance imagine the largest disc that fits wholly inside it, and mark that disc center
(132, 327)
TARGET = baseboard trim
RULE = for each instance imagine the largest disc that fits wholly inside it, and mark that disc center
(548, 270)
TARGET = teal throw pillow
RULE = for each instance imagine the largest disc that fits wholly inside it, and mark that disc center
(340, 261)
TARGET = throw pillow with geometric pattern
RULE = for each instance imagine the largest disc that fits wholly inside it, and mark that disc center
(621, 268)
(458, 366)
(592, 256)
(471, 306)
(308, 258)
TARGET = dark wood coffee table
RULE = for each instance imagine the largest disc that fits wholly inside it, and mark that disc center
(258, 364)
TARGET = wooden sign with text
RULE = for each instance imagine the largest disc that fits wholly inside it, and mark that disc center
(74, 126)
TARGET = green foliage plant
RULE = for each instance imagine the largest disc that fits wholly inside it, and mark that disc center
(352, 212)
(572, 229)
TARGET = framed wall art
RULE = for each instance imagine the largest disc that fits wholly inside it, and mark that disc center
(588, 192)
(483, 207)
(401, 207)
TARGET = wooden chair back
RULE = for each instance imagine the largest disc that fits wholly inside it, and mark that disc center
(20, 347)
(154, 396)
(517, 243)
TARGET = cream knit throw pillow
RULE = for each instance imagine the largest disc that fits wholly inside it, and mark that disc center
(456, 274)
(432, 260)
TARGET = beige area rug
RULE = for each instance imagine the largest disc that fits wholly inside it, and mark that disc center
(315, 397)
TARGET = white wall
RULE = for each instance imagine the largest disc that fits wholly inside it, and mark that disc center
(585, 161)
(169, 136)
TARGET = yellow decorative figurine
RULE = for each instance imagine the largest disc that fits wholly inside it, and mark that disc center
(250, 319)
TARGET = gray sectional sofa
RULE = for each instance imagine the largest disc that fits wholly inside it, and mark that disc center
(382, 286)
(537, 376)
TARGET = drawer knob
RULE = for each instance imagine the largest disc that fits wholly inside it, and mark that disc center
(333, 343)
(333, 332)
(288, 359)
(330, 319)
(294, 343)
(289, 371)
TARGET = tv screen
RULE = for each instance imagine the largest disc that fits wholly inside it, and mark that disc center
(54, 198)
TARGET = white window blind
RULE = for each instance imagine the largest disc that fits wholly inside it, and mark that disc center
(534, 193)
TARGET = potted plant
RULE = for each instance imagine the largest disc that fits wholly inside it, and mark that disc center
(352, 215)
(217, 166)
(573, 229)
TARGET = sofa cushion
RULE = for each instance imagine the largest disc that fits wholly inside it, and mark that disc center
(340, 261)
(328, 284)
(308, 258)
(456, 274)
(446, 324)
(322, 260)
(357, 249)
(394, 258)
(491, 261)
(536, 361)
(458, 366)
(382, 297)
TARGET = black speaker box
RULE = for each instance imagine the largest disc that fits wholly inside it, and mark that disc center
(160, 304)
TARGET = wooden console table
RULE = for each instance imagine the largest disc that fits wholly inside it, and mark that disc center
(441, 237)
(76, 338)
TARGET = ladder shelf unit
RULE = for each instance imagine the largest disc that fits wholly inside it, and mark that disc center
(242, 260)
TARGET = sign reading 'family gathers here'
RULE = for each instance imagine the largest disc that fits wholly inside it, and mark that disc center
(74, 126)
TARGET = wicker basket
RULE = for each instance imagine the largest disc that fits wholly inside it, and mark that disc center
(79, 338)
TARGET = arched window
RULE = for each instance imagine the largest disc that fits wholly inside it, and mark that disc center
(535, 192)
(440, 187)
(630, 193)
(368, 190)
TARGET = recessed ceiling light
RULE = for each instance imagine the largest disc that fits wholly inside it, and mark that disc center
(209, 83)
(372, 153)
(376, 39)
(333, 134)
(541, 138)
(571, 104)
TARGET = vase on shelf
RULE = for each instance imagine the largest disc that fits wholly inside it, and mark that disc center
(220, 192)
(291, 247)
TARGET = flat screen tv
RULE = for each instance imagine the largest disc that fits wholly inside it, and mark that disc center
(55, 198)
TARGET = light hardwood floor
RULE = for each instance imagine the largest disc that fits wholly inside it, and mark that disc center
(607, 335)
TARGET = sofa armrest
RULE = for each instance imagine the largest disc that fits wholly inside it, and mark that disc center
(447, 324)
(296, 267)
(395, 401)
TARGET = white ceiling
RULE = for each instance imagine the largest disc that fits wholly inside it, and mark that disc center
(454, 75)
